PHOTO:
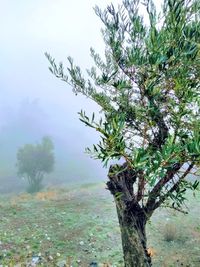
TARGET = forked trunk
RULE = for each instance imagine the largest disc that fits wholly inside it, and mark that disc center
(132, 219)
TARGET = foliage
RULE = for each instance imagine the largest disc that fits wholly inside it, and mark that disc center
(34, 161)
(148, 87)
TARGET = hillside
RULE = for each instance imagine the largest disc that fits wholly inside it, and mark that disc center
(78, 225)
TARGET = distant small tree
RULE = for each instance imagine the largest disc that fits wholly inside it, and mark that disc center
(34, 161)
(148, 87)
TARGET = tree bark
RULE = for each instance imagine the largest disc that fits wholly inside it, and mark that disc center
(132, 218)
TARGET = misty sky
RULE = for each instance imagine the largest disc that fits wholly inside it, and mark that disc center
(29, 28)
(32, 99)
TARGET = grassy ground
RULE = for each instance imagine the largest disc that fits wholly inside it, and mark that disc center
(78, 226)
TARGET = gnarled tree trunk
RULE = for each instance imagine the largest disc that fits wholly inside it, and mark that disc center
(132, 217)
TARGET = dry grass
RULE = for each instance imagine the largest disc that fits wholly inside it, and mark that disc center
(20, 198)
(49, 195)
(170, 232)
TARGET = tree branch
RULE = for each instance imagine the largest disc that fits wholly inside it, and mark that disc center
(141, 186)
(158, 187)
(175, 208)
(174, 187)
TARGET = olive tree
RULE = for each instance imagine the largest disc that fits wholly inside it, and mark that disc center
(34, 161)
(148, 87)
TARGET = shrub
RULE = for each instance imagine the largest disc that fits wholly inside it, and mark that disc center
(170, 232)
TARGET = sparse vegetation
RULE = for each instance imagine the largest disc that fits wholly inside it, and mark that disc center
(34, 161)
(79, 224)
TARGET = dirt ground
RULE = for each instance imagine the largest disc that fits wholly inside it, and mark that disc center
(78, 226)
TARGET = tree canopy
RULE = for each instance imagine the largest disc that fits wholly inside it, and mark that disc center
(34, 161)
(148, 88)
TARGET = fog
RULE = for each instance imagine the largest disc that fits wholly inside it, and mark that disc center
(33, 103)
